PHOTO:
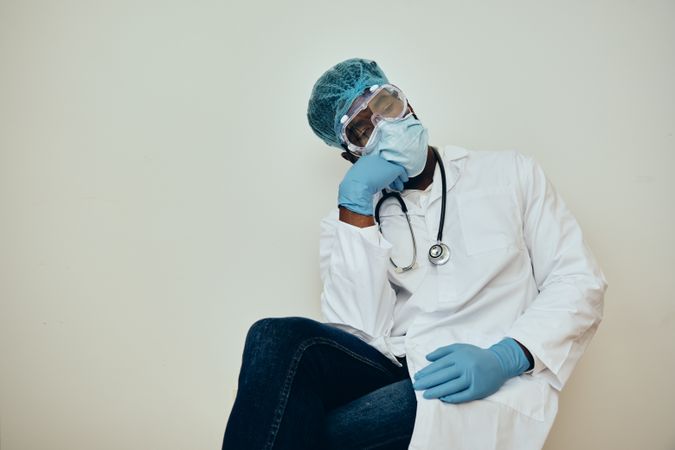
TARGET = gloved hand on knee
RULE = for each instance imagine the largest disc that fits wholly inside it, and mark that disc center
(464, 372)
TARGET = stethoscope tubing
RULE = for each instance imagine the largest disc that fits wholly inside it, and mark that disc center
(439, 253)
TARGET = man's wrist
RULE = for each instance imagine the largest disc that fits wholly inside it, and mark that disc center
(356, 219)
(511, 357)
(528, 355)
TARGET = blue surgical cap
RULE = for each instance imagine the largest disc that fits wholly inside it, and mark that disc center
(334, 92)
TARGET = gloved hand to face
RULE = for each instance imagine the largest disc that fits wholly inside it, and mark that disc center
(367, 176)
(464, 372)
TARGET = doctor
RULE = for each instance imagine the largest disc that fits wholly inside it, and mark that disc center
(458, 295)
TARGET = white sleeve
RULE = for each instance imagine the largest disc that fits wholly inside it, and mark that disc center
(357, 295)
(559, 324)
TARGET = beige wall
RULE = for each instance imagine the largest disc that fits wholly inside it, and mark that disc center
(150, 151)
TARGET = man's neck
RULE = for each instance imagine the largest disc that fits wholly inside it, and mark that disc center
(423, 180)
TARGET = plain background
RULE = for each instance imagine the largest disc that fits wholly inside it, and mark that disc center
(161, 190)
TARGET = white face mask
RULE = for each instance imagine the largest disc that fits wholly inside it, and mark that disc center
(402, 141)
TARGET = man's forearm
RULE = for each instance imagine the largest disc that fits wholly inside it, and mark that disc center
(352, 218)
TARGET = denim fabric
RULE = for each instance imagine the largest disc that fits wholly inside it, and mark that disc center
(304, 384)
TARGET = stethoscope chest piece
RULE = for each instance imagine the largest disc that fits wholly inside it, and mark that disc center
(439, 253)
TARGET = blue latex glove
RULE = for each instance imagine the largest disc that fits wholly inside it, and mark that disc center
(369, 174)
(464, 372)
(397, 184)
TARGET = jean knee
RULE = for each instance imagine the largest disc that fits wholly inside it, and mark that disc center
(257, 331)
(275, 333)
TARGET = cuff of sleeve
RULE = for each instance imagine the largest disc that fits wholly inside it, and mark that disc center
(370, 234)
(538, 364)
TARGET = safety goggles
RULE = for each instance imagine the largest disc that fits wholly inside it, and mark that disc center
(359, 124)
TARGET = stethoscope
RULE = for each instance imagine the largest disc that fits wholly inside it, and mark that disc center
(439, 253)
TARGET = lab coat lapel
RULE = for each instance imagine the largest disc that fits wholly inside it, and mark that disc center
(452, 162)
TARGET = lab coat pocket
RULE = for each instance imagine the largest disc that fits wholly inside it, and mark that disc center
(489, 219)
(526, 394)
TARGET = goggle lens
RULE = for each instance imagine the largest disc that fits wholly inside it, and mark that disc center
(387, 103)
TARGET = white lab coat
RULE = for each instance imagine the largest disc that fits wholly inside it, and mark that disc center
(519, 267)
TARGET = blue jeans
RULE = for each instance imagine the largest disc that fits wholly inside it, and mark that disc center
(304, 384)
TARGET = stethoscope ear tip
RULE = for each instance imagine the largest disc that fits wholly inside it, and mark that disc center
(405, 269)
